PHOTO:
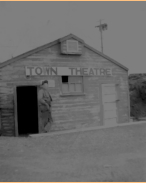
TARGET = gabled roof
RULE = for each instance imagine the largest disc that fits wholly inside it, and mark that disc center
(71, 36)
(24, 55)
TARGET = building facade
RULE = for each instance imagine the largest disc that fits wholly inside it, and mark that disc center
(88, 88)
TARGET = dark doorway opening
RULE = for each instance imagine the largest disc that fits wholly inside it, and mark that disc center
(27, 110)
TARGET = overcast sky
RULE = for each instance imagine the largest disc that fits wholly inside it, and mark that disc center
(27, 25)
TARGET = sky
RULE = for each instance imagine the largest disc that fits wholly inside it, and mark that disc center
(27, 25)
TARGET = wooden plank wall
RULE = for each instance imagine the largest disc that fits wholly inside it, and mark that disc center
(7, 110)
(68, 112)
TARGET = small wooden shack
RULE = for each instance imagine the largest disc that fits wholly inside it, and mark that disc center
(88, 88)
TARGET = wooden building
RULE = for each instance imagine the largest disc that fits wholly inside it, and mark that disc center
(88, 88)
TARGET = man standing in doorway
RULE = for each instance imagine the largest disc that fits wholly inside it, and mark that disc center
(44, 100)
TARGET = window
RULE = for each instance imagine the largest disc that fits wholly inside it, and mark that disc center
(72, 84)
(72, 46)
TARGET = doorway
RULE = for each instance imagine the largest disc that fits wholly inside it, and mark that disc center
(27, 110)
(109, 101)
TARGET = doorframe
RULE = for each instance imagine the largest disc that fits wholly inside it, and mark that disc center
(117, 90)
(15, 111)
(15, 107)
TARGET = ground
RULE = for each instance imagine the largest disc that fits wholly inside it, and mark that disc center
(112, 154)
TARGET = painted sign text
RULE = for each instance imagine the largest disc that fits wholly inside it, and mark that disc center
(68, 71)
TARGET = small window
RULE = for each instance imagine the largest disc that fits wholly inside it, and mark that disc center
(72, 84)
(64, 79)
(72, 46)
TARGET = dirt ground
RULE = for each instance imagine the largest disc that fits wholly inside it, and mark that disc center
(114, 154)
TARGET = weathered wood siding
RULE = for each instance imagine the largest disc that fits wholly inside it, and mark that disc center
(7, 110)
(70, 111)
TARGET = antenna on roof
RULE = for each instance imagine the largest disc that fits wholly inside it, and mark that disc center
(102, 27)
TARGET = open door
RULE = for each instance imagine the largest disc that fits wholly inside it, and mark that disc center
(27, 110)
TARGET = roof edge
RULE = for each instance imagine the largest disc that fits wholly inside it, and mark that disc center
(106, 57)
(23, 55)
(71, 36)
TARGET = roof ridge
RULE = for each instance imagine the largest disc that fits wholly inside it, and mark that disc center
(23, 55)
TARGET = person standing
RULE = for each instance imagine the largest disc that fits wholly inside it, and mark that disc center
(44, 100)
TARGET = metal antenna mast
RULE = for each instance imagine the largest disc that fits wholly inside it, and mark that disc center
(101, 27)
